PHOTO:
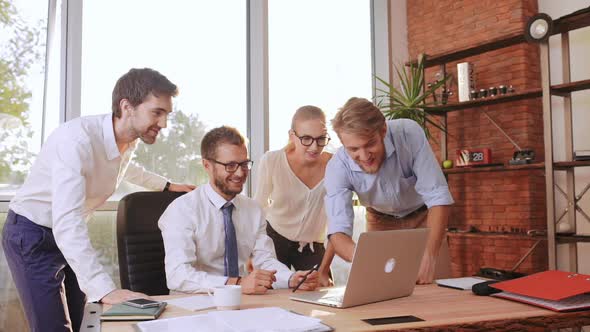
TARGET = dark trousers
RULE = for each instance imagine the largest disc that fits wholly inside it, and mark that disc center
(288, 251)
(47, 286)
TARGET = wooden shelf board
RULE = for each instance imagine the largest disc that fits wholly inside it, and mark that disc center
(564, 89)
(570, 164)
(566, 23)
(526, 94)
(571, 22)
(494, 44)
(496, 235)
(563, 238)
(502, 168)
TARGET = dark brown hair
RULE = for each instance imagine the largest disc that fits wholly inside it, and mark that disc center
(217, 136)
(137, 84)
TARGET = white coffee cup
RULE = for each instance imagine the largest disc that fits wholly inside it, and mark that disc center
(227, 297)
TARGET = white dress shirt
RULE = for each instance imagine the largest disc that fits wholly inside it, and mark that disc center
(292, 208)
(193, 232)
(78, 169)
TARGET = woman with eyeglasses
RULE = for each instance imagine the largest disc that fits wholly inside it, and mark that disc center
(290, 189)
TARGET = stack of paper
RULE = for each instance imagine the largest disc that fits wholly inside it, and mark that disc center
(250, 320)
(198, 323)
(266, 319)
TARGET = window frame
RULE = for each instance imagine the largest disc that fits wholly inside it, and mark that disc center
(70, 73)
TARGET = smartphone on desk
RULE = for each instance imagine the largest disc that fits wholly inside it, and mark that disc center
(142, 303)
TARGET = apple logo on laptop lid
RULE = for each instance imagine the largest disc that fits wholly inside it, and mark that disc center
(389, 265)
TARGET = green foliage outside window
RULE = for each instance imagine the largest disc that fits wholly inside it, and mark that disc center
(21, 46)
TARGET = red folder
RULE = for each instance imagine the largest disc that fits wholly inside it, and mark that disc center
(556, 290)
(549, 285)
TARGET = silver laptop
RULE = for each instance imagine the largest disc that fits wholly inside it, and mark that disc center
(385, 266)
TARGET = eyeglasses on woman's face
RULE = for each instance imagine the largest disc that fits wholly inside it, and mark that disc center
(307, 140)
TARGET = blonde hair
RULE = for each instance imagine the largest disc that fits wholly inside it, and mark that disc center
(358, 116)
(305, 113)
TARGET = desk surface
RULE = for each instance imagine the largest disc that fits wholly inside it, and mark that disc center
(441, 308)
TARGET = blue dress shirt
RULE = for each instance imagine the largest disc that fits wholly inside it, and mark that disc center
(409, 177)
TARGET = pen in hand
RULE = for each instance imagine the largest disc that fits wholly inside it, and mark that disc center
(314, 268)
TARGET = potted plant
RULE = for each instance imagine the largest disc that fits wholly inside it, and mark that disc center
(412, 100)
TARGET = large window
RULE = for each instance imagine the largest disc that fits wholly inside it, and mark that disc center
(319, 54)
(199, 45)
(22, 69)
(23, 27)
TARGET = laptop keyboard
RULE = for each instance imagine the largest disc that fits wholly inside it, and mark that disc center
(337, 298)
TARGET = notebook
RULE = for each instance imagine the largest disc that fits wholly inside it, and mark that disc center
(125, 312)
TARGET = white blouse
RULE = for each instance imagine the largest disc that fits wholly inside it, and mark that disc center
(292, 208)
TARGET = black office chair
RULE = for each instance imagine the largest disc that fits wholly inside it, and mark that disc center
(139, 241)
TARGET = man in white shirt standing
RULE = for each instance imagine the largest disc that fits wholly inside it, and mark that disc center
(210, 233)
(45, 238)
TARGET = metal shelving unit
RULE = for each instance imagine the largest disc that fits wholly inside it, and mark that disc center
(562, 26)
(442, 59)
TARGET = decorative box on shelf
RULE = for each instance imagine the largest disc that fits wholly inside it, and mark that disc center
(473, 157)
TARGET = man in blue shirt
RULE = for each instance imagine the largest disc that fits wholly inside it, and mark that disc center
(391, 167)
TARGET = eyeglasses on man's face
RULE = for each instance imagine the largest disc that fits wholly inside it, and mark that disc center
(233, 166)
(308, 140)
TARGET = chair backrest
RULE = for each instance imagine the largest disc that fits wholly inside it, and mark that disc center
(139, 241)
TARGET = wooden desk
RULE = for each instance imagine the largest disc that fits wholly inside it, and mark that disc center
(441, 308)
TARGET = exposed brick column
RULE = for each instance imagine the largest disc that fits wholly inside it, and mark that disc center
(493, 202)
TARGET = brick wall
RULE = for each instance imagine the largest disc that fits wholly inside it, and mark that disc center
(469, 252)
(492, 202)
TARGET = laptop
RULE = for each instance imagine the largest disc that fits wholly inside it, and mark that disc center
(384, 267)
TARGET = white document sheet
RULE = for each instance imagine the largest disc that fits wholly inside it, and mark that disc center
(265, 319)
(249, 320)
(193, 303)
(197, 323)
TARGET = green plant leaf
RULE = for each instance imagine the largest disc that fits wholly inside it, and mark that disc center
(410, 100)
